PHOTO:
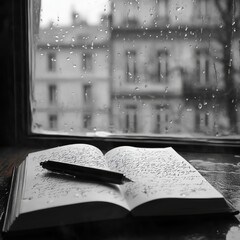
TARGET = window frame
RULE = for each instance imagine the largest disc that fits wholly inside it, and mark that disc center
(21, 134)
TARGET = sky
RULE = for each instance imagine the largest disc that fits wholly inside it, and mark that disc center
(59, 11)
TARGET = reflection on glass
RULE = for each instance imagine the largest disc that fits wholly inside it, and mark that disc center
(148, 67)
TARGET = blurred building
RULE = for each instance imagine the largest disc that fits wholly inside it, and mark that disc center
(71, 82)
(167, 77)
(150, 67)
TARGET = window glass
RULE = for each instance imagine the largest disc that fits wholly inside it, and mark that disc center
(135, 67)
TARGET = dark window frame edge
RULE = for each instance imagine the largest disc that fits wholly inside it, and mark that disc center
(107, 143)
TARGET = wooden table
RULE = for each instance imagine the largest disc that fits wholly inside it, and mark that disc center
(221, 170)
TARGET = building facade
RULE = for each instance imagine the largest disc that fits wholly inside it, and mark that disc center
(167, 77)
(150, 67)
(71, 83)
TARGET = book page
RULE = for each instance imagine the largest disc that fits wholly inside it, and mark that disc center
(158, 173)
(43, 189)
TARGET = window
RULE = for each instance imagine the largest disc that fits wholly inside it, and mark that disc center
(52, 89)
(87, 62)
(202, 122)
(202, 67)
(115, 73)
(53, 121)
(131, 66)
(201, 8)
(132, 16)
(163, 66)
(51, 62)
(131, 119)
(87, 93)
(87, 121)
(162, 119)
(162, 9)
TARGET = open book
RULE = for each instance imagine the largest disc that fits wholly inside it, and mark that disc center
(165, 184)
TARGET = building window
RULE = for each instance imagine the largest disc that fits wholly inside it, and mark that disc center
(131, 119)
(202, 66)
(52, 66)
(162, 9)
(132, 14)
(52, 90)
(87, 62)
(162, 119)
(87, 121)
(162, 66)
(201, 9)
(131, 66)
(87, 93)
(53, 118)
(202, 122)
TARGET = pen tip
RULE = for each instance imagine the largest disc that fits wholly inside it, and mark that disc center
(127, 180)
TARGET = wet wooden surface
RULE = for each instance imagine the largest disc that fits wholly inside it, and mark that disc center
(221, 170)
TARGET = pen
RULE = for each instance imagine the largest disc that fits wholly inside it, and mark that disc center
(85, 173)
